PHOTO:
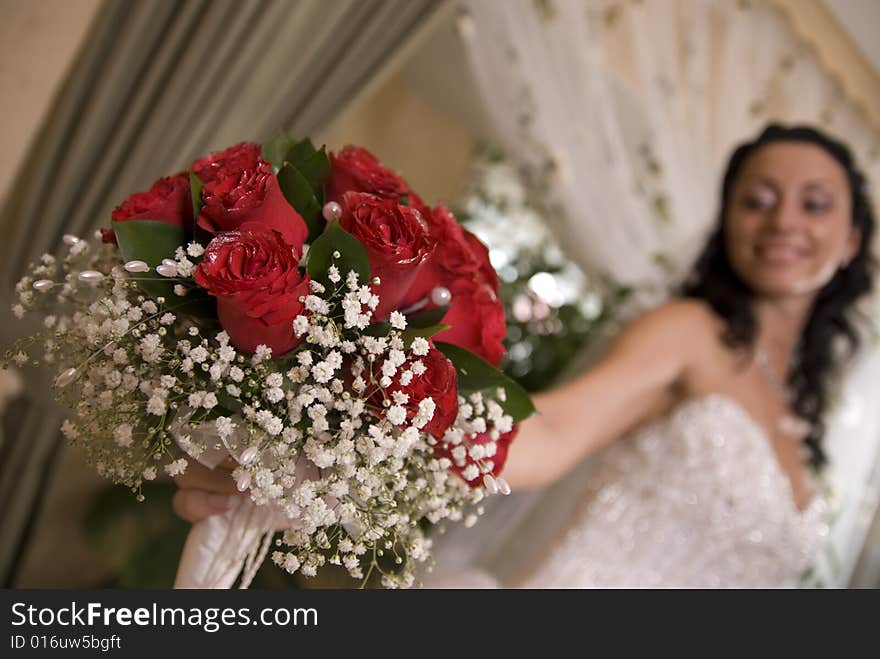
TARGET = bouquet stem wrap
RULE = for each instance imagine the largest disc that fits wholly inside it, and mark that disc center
(221, 547)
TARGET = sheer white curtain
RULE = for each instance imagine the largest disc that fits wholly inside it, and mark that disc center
(622, 115)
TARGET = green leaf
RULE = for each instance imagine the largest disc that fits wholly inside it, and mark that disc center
(197, 303)
(476, 374)
(199, 234)
(300, 151)
(275, 150)
(195, 188)
(301, 196)
(427, 318)
(411, 333)
(229, 402)
(378, 329)
(315, 169)
(352, 256)
(150, 241)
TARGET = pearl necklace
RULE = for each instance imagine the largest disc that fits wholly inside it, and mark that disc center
(770, 377)
(789, 424)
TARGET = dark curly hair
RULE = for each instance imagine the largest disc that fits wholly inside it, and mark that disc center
(832, 317)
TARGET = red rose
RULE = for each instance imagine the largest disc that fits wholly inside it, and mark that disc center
(355, 169)
(168, 200)
(254, 275)
(239, 187)
(460, 263)
(481, 253)
(495, 455)
(452, 257)
(397, 242)
(476, 316)
(439, 382)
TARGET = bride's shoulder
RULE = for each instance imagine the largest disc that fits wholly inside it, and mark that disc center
(691, 317)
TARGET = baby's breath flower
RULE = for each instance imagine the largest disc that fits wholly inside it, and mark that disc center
(156, 406)
(225, 427)
(195, 250)
(300, 325)
(397, 320)
(262, 353)
(122, 435)
(177, 467)
(198, 354)
(420, 346)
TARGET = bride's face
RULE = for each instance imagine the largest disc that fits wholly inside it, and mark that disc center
(789, 225)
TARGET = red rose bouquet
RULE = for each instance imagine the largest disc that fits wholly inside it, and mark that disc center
(309, 316)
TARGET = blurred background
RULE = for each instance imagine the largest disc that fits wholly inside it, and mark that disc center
(582, 140)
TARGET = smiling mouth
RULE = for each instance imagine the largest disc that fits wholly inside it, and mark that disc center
(778, 254)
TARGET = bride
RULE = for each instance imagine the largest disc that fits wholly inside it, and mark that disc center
(706, 413)
(723, 390)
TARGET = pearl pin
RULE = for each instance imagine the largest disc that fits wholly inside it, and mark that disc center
(166, 270)
(331, 211)
(441, 296)
(43, 285)
(90, 276)
(248, 455)
(65, 378)
(136, 266)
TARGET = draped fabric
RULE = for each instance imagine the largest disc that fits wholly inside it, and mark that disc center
(158, 83)
(621, 116)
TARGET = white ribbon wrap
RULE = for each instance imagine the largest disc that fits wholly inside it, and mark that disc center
(221, 547)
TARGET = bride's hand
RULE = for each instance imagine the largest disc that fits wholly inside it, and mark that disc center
(204, 492)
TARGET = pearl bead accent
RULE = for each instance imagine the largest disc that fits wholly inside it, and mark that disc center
(43, 285)
(70, 239)
(441, 296)
(331, 211)
(136, 266)
(489, 484)
(166, 270)
(248, 455)
(90, 276)
(66, 377)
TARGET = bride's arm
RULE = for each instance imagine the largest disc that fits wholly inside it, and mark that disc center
(639, 370)
(634, 378)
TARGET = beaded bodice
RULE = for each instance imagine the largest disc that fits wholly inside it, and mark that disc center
(696, 499)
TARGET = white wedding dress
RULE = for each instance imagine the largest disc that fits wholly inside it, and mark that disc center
(695, 499)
